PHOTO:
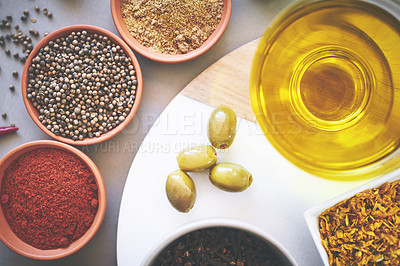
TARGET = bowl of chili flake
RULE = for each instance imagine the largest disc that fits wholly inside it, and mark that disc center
(219, 241)
(171, 31)
(53, 199)
(361, 226)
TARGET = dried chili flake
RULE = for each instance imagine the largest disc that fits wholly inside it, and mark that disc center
(364, 229)
(49, 198)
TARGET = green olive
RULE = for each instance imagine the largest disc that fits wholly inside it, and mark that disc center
(181, 191)
(230, 177)
(197, 159)
(222, 127)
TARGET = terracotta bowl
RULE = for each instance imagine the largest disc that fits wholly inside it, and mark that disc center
(64, 32)
(168, 58)
(275, 247)
(8, 237)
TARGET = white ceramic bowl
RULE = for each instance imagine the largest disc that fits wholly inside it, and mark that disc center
(312, 214)
(279, 250)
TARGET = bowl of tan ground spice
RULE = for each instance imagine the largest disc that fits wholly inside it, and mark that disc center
(171, 31)
(52, 199)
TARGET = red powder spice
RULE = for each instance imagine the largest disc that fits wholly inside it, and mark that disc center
(49, 198)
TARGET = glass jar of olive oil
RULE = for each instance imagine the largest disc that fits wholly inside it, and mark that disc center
(325, 86)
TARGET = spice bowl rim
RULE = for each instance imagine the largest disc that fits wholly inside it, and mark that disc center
(62, 32)
(218, 222)
(10, 239)
(311, 215)
(169, 58)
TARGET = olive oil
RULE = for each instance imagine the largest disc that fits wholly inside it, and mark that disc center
(325, 87)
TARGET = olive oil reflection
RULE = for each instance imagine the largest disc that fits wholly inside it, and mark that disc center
(331, 68)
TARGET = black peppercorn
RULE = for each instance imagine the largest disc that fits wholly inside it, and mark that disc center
(4, 115)
(15, 74)
(24, 18)
(12, 88)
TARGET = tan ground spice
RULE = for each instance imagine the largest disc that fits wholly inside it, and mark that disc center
(364, 229)
(171, 26)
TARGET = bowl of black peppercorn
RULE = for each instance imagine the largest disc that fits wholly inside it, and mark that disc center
(82, 85)
(219, 241)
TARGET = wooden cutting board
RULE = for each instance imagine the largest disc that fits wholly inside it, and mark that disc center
(276, 200)
(226, 82)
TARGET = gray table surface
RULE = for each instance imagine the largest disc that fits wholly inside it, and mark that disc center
(162, 82)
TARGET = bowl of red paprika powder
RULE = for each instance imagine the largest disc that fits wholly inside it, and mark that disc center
(53, 199)
(171, 31)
